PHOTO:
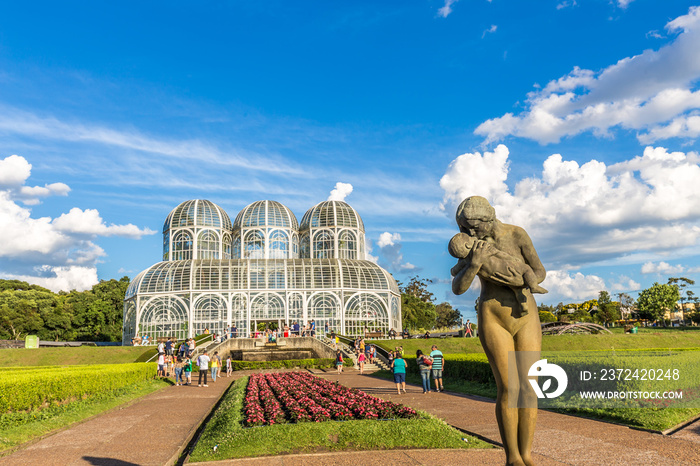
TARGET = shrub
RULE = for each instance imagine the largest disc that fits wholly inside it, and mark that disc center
(32, 389)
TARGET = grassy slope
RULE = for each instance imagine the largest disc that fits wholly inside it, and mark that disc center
(234, 441)
(656, 338)
(70, 356)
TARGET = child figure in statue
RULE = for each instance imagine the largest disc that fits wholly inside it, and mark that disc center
(500, 267)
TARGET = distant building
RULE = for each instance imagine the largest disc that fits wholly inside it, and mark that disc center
(263, 267)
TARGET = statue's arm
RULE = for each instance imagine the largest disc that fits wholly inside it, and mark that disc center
(465, 277)
(530, 256)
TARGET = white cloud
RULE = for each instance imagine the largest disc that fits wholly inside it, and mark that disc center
(624, 3)
(14, 172)
(579, 214)
(63, 247)
(490, 30)
(390, 255)
(662, 268)
(566, 4)
(655, 93)
(577, 286)
(473, 174)
(446, 9)
(60, 278)
(89, 222)
(624, 284)
(340, 192)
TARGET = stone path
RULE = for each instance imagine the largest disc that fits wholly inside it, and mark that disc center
(154, 430)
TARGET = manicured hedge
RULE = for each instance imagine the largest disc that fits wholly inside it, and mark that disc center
(473, 366)
(32, 389)
(285, 364)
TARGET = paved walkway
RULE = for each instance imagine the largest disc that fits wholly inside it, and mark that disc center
(150, 431)
(153, 431)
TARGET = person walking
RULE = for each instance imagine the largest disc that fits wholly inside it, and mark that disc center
(339, 361)
(182, 350)
(215, 364)
(468, 329)
(398, 365)
(187, 370)
(424, 365)
(190, 348)
(203, 363)
(178, 368)
(361, 362)
(229, 366)
(437, 368)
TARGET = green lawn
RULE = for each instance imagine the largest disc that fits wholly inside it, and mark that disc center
(235, 441)
(71, 356)
(20, 427)
(648, 338)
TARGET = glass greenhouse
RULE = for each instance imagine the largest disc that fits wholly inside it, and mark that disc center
(264, 267)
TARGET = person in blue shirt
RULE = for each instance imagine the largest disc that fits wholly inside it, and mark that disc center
(398, 365)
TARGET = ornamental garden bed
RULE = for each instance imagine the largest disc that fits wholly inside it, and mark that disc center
(302, 397)
(296, 412)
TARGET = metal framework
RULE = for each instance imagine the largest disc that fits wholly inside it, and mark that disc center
(265, 276)
(565, 328)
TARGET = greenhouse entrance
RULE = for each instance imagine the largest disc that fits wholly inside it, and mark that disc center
(259, 326)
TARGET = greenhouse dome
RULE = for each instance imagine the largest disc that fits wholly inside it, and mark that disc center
(265, 230)
(263, 278)
(197, 229)
(332, 229)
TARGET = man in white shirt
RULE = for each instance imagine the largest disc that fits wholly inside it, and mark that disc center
(203, 363)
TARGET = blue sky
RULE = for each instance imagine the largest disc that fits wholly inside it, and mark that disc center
(577, 119)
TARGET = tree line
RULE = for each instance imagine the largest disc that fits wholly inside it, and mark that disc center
(91, 315)
(418, 308)
(652, 304)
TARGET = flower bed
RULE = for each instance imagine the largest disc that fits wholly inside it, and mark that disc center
(301, 397)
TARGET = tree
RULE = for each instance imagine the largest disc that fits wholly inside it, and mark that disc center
(418, 288)
(447, 316)
(686, 296)
(655, 301)
(417, 308)
(546, 316)
(627, 305)
(416, 313)
(608, 311)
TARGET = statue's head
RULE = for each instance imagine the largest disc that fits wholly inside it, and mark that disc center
(460, 245)
(476, 217)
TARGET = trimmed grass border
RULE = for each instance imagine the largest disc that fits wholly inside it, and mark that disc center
(19, 428)
(225, 430)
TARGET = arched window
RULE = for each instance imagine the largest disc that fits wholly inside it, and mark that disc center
(323, 245)
(279, 245)
(305, 247)
(163, 317)
(239, 314)
(209, 313)
(166, 246)
(182, 245)
(266, 306)
(325, 307)
(236, 247)
(227, 246)
(347, 245)
(295, 246)
(366, 310)
(254, 244)
(208, 245)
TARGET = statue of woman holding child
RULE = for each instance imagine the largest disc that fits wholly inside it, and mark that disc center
(509, 270)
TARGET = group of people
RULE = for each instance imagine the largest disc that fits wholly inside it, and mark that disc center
(180, 364)
(365, 353)
(434, 364)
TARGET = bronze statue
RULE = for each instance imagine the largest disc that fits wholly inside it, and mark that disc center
(509, 270)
